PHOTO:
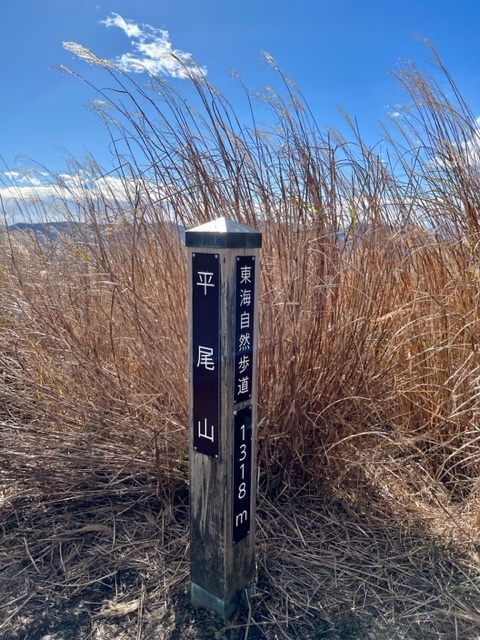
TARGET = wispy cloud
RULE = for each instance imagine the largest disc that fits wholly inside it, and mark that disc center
(152, 51)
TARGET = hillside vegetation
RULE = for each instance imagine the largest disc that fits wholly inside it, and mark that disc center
(368, 512)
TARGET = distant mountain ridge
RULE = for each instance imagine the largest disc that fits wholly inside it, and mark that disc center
(68, 228)
(50, 230)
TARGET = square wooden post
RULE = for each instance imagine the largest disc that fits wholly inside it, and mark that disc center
(223, 306)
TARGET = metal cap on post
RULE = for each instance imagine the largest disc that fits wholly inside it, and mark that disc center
(223, 308)
(223, 233)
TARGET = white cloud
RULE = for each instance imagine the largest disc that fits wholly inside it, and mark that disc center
(131, 29)
(12, 175)
(26, 196)
(22, 194)
(70, 187)
(152, 51)
(472, 147)
(465, 154)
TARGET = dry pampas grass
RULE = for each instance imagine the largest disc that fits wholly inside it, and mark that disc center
(368, 363)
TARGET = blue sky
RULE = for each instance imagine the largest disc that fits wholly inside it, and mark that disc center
(337, 51)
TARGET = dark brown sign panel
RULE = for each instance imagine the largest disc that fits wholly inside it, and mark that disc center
(206, 352)
(244, 318)
(242, 473)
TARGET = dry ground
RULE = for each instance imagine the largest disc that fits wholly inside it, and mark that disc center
(328, 567)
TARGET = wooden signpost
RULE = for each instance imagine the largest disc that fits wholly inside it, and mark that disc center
(223, 259)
